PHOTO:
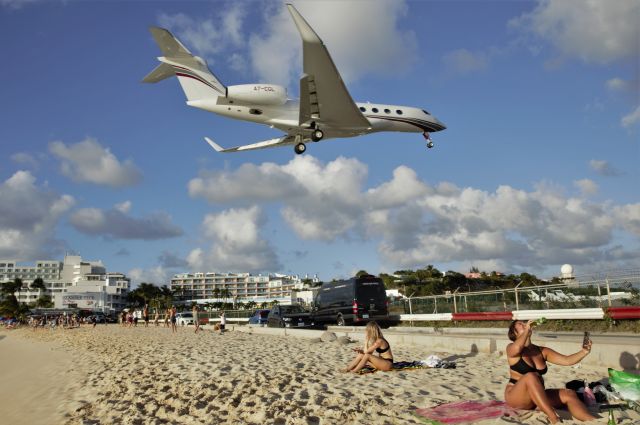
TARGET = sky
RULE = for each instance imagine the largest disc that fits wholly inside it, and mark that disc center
(538, 166)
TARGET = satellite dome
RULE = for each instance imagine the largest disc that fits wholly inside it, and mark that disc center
(566, 270)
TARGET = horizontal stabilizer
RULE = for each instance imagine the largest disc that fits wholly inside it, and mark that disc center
(161, 72)
(282, 141)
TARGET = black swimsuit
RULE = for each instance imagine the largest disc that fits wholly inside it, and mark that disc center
(523, 367)
(380, 351)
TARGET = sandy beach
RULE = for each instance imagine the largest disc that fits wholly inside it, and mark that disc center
(109, 375)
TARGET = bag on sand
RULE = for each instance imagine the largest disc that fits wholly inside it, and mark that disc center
(626, 384)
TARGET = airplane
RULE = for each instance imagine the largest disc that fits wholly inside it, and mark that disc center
(324, 111)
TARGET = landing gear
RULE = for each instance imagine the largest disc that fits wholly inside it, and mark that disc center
(317, 135)
(428, 137)
(300, 148)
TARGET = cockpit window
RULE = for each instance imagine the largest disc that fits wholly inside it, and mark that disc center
(426, 112)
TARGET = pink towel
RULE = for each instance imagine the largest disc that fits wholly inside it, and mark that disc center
(467, 411)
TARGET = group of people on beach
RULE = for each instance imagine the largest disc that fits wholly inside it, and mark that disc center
(130, 318)
(63, 321)
(527, 364)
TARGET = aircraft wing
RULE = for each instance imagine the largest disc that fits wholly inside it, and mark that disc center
(323, 95)
(282, 141)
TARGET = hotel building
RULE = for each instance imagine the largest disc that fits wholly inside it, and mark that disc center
(243, 287)
(70, 283)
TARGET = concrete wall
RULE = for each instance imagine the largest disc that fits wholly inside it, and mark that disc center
(618, 351)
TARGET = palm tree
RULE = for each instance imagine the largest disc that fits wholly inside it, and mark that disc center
(225, 293)
(38, 283)
(8, 288)
(216, 293)
(44, 301)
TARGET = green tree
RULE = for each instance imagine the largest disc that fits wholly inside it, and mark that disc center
(8, 288)
(362, 273)
(38, 283)
(44, 301)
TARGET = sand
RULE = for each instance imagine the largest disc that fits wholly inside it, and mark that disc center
(109, 375)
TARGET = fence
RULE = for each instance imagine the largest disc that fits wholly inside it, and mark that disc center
(613, 289)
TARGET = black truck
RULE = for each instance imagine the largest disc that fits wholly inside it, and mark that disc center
(352, 301)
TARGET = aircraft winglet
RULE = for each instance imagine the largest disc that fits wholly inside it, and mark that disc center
(214, 145)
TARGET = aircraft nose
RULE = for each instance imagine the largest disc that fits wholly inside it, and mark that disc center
(438, 125)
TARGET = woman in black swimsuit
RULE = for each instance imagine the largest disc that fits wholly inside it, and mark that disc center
(527, 364)
(374, 343)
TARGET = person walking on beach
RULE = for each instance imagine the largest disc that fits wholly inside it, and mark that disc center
(374, 342)
(223, 322)
(196, 320)
(145, 315)
(172, 317)
(156, 318)
(167, 315)
(527, 363)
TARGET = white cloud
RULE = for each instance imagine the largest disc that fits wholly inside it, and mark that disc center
(28, 218)
(463, 61)
(25, 159)
(322, 200)
(249, 183)
(17, 4)
(617, 84)
(236, 243)
(157, 275)
(604, 168)
(415, 223)
(348, 29)
(591, 30)
(586, 186)
(208, 37)
(123, 207)
(629, 217)
(631, 119)
(115, 223)
(89, 162)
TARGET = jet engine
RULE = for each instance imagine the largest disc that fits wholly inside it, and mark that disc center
(257, 94)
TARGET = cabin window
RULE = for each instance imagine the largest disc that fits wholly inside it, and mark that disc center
(363, 109)
(387, 111)
(374, 110)
(255, 111)
(398, 111)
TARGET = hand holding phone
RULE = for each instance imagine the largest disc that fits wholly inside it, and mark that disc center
(586, 341)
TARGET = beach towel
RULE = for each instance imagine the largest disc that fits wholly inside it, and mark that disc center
(466, 411)
(397, 366)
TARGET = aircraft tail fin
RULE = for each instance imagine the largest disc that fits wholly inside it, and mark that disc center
(197, 81)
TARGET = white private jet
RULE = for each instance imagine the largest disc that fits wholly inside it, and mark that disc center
(325, 109)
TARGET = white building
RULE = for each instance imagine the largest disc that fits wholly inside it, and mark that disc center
(70, 283)
(242, 287)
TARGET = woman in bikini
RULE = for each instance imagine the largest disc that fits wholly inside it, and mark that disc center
(527, 364)
(374, 343)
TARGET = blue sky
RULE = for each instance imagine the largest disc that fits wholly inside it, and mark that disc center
(538, 166)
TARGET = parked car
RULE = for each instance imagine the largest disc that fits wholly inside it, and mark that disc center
(259, 317)
(289, 316)
(353, 301)
(184, 318)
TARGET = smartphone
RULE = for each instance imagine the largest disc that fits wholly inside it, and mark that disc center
(585, 339)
